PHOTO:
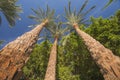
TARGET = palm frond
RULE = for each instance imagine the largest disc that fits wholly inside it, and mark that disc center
(69, 7)
(83, 6)
(67, 29)
(110, 1)
(1, 42)
(57, 29)
(10, 10)
(75, 13)
(89, 10)
(64, 41)
(48, 10)
(66, 12)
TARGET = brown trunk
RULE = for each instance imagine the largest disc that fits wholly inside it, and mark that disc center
(15, 54)
(51, 68)
(108, 63)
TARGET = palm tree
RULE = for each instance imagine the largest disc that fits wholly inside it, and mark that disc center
(104, 58)
(15, 54)
(57, 31)
(10, 10)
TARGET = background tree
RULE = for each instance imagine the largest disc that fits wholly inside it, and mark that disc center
(10, 10)
(36, 66)
(75, 62)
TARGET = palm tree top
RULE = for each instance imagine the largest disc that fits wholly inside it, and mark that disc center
(42, 15)
(58, 30)
(72, 16)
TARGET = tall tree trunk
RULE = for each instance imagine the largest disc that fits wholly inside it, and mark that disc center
(15, 54)
(108, 63)
(51, 68)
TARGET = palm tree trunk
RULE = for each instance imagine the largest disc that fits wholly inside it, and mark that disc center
(15, 54)
(108, 63)
(51, 68)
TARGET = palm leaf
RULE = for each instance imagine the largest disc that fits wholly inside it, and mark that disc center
(110, 1)
(83, 6)
(89, 10)
(69, 7)
(10, 10)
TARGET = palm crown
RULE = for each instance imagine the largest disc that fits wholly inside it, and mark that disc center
(57, 29)
(42, 15)
(10, 10)
(74, 16)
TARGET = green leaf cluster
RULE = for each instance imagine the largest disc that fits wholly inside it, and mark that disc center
(10, 10)
(36, 66)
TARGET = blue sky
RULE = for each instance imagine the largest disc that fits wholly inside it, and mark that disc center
(8, 34)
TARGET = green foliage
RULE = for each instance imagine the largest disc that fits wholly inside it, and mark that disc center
(107, 31)
(36, 66)
(74, 61)
(10, 10)
(66, 74)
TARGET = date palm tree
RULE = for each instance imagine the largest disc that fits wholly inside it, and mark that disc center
(104, 58)
(57, 31)
(16, 53)
(10, 11)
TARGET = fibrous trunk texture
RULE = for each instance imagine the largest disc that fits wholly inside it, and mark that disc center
(108, 63)
(15, 54)
(51, 68)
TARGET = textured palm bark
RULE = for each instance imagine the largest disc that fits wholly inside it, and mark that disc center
(16, 53)
(51, 68)
(108, 63)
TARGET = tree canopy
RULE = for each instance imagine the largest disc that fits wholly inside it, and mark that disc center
(36, 67)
